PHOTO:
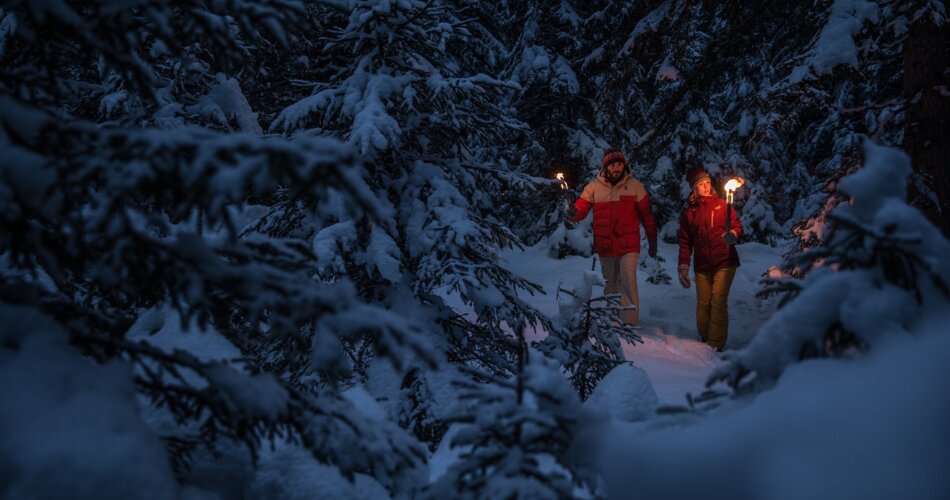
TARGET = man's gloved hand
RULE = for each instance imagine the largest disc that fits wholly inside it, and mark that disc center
(684, 276)
(652, 251)
(729, 237)
(570, 211)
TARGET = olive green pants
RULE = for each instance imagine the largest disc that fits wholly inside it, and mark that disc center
(620, 273)
(712, 305)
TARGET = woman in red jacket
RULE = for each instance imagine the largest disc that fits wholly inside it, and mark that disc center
(704, 234)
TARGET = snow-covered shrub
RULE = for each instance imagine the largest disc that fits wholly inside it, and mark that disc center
(523, 437)
(71, 428)
(654, 269)
(587, 339)
(570, 239)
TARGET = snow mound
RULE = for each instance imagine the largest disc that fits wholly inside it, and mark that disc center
(626, 393)
(871, 428)
(71, 428)
(291, 473)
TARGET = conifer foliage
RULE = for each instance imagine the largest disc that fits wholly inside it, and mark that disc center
(880, 271)
(102, 226)
(418, 412)
(422, 123)
(325, 187)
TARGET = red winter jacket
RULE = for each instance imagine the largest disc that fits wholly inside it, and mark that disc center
(618, 212)
(702, 225)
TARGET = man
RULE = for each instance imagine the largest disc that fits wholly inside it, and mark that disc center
(620, 205)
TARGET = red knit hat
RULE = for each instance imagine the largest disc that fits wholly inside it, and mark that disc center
(612, 155)
(696, 174)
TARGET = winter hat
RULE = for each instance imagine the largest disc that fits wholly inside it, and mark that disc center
(612, 155)
(696, 174)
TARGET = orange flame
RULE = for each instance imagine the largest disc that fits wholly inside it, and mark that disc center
(734, 184)
(560, 177)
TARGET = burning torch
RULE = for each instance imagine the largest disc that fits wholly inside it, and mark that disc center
(731, 187)
(568, 201)
(567, 194)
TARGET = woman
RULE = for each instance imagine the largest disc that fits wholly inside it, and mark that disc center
(704, 234)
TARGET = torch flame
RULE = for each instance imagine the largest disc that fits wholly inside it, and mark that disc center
(560, 177)
(734, 184)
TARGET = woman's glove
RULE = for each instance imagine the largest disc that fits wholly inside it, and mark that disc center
(684, 276)
(729, 237)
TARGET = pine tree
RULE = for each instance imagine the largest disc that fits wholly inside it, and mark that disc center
(423, 124)
(546, 44)
(749, 90)
(880, 270)
(103, 223)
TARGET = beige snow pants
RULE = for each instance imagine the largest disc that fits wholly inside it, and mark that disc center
(620, 273)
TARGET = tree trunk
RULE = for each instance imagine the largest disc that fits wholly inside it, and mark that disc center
(926, 86)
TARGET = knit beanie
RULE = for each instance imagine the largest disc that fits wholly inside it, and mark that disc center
(612, 155)
(694, 175)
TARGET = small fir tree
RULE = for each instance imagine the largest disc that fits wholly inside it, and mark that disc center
(588, 340)
(523, 437)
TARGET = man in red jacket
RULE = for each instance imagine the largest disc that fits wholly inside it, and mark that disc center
(620, 205)
(704, 234)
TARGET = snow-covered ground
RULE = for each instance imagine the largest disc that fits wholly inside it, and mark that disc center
(671, 354)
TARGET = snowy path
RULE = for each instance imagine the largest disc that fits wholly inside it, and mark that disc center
(674, 360)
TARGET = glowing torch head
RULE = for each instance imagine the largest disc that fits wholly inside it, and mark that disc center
(734, 184)
(560, 177)
(731, 187)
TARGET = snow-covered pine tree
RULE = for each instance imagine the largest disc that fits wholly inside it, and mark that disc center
(151, 64)
(882, 269)
(546, 41)
(866, 102)
(686, 81)
(423, 122)
(655, 272)
(103, 226)
(527, 436)
(639, 93)
(587, 340)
